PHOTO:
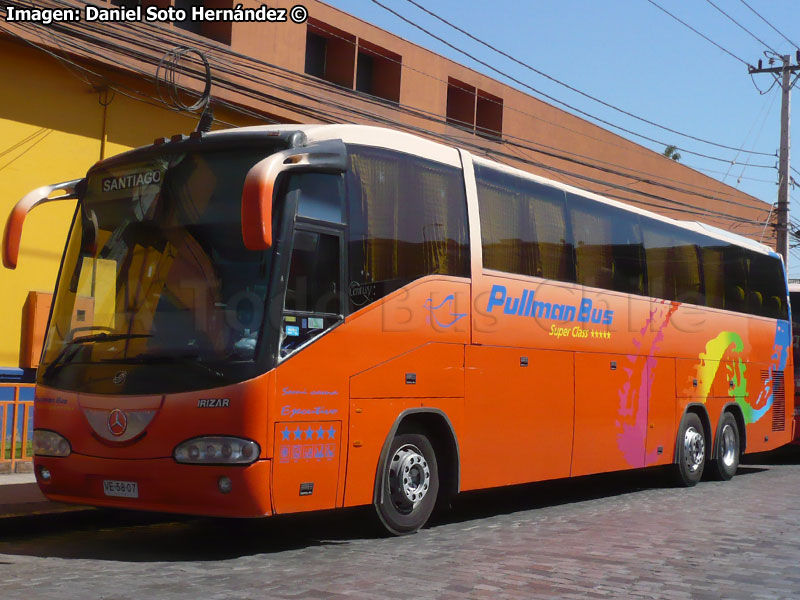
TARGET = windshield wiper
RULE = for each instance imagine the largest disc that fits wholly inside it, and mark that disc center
(90, 339)
(192, 360)
(107, 337)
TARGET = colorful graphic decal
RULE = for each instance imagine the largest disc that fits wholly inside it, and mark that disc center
(716, 350)
(634, 394)
(726, 348)
(780, 355)
(442, 314)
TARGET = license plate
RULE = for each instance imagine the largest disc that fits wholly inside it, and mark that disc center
(122, 489)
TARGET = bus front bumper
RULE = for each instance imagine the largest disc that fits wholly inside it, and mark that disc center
(160, 485)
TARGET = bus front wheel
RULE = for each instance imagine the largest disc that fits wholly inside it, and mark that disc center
(727, 449)
(409, 484)
(691, 451)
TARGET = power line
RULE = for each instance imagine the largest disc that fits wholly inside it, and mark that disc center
(743, 28)
(527, 114)
(705, 37)
(755, 141)
(746, 178)
(231, 66)
(576, 90)
(636, 148)
(770, 24)
(348, 109)
(541, 93)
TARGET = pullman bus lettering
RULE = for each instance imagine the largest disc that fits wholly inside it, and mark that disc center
(527, 306)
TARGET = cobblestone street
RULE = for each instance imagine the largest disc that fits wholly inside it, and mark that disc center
(620, 535)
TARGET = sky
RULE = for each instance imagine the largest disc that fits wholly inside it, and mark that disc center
(632, 55)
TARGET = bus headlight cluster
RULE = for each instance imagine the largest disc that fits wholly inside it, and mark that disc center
(49, 443)
(217, 450)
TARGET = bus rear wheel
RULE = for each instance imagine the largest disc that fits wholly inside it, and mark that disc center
(409, 484)
(727, 449)
(691, 451)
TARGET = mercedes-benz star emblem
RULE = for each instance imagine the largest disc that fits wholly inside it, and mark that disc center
(120, 377)
(117, 422)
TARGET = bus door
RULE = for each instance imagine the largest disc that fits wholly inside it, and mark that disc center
(311, 385)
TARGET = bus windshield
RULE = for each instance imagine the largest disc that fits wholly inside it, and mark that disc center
(155, 276)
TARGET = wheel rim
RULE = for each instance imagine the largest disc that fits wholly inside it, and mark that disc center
(728, 445)
(409, 478)
(694, 448)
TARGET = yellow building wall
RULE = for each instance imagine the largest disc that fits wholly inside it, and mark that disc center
(52, 129)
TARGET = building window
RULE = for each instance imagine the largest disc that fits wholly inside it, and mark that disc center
(341, 58)
(474, 109)
(330, 53)
(489, 114)
(378, 71)
(460, 104)
(316, 48)
(220, 31)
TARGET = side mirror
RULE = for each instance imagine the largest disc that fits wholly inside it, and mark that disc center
(12, 235)
(260, 185)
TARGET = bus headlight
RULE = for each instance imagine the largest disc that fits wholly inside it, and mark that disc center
(49, 443)
(217, 450)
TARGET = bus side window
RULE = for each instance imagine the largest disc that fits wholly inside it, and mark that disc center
(523, 226)
(313, 295)
(321, 196)
(407, 218)
(686, 269)
(658, 254)
(766, 278)
(736, 291)
(591, 233)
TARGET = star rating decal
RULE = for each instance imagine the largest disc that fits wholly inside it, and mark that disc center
(308, 434)
(294, 438)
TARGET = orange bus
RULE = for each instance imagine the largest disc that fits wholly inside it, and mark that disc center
(291, 318)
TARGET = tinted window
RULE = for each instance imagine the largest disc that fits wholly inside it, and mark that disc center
(321, 196)
(534, 229)
(523, 226)
(735, 269)
(673, 264)
(767, 285)
(690, 267)
(313, 273)
(712, 258)
(608, 246)
(313, 292)
(407, 218)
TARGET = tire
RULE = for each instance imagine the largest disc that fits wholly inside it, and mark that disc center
(409, 484)
(726, 449)
(691, 451)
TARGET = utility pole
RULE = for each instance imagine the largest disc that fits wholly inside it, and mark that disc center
(782, 213)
